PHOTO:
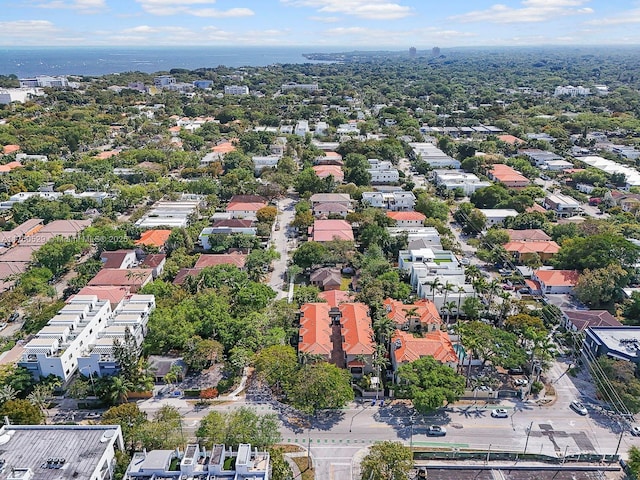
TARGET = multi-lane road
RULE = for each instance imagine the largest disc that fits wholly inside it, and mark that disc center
(336, 437)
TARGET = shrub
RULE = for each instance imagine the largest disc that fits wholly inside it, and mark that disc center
(536, 387)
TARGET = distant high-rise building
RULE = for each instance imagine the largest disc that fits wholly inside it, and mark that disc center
(435, 51)
(412, 52)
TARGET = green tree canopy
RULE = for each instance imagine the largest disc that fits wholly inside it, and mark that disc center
(320, 386)
(387, 461)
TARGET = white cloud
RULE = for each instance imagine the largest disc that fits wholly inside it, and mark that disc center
(622, 18)
(26, 28)
(186, 7)
(324, 19)
(531, 11)
(369, 9)
(82, 6)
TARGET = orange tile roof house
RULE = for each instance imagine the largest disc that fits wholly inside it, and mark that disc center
(327, 230)
(154, 238)
(357, 337)
(9, 149)
(336, 297)
(241, 206)
(426, 317)
(8, 167)
(212, 260)
(314, 337)
(522, 251)
(407, 219)
(406, 348)
(510, 139)
(323, 171)
(556, 281)
(134, 278)
(528, 235)
(507, 176)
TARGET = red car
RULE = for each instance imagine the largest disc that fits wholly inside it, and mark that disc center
(507, 287)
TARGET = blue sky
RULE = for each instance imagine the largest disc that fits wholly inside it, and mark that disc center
(362, 24)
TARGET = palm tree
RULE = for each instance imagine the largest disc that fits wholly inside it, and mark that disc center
(461, 290)
(410, 314)
(307, 358)
(447, 288)
(493, 288)
(434, 284)
(118, 391)
(384, 327)
(40, 398)
(472, 273)
(7, 392)
(449, 308)
(479, 286)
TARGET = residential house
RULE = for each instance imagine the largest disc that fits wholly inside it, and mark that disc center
(524, 251)
(418, 237)
(619, 343)
(497, 216)
(420, 316)
(314, 337)
(213, 260)
(407, 219)
(507, 176)
(432, 155)
(329, 158)
(342, 198)
(562, 205)
(580, 320)
(555, 281)
(154, 238)
(405, 348)
(171, 214)
(156, 262)
(327, 230)
(226, 227)
(382, 171)
(114, 295)
(262, 162)
(456, 179)
(119, 259)
(632, 176)
(245, 206)
(326, 210)
(25, 229)
(358, 342)
(336, 297)
(528, 235)
(302, 128)
(396, 201)
(325, 171)
(326, 278)
(134, 278)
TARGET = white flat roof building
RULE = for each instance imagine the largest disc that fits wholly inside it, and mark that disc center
(452, 179)
(609, 166)
(496, 216)
(170, 214)
(52, 452)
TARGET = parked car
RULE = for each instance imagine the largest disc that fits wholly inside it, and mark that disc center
(516, 371)
(507, 287)
(525, 291)
(13, 317)
(578, 407)
(635, 431)
(499, 413)
(436, 431)
(520, 382)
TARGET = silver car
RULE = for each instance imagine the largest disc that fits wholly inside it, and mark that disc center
(578, 407)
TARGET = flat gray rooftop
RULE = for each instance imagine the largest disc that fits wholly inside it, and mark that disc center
(81, 448)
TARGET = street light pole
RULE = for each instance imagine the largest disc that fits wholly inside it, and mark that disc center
(527, 441)
(93, 385)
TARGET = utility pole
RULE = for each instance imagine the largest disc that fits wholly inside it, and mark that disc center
(619, 442)
(526, 443)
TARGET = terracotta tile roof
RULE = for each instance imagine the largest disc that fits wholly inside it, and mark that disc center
(357, 334)
(107, 154)
(404, 216)
(505, 174)
(7, 149)
(557, 278)
(549, 247)
(154, 238)
(436, 344)
(533, 285)
(510, 139)
(536, 207)
(327, 230)
(582, 319)
(224, 147)
(336, 297)
(175, 129)
(212, 260)
(104, 292)
(323, 171)
(20, 253)
(7, 167)
(244, 207)
(133, 277)
(315, 329)
(426, 310)
(528, 235)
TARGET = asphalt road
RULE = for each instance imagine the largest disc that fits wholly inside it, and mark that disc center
(335, 437)
(283, 244)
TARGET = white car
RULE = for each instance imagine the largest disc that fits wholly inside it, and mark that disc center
(520, 382)
(499, 413)
(635, 431)
(578, 407)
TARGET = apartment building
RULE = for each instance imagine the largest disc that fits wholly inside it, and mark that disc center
(397, 201)
(236, 90)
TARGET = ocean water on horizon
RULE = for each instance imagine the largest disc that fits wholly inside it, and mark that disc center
(31, 61)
